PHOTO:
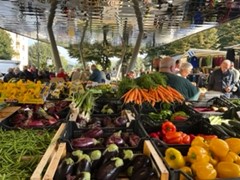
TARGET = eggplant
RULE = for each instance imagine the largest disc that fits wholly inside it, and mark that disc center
(107, 122)
(143, 173)
(127, 157)
(95, 157)
(84, 142)
(65, 168)
(84, 164)
(134, 140)
(111, 151)
(94, 133)
(76, 155)
(94, 124)
(120, 121)
(110, 170)
(139, 161)
(115, 138)
(83, 176)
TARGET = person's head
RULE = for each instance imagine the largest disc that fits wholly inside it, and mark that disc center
(167, 64)
(232, 65)
(93, 67)
(10, 70)
(61, 70)
(16, 70)
(225, 65)
(185, 69)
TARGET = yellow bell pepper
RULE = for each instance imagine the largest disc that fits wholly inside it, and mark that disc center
(218, 147)
(187, 170)
(174, 158)
(231, 157)
(228, 170)
(199, 141)
(204, 170)
(197, 154)
(234, 144)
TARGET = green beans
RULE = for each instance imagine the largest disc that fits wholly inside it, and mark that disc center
(20, 152)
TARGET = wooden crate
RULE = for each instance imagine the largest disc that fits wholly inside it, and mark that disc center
(148, 149)
(49, 154)
(8, 111)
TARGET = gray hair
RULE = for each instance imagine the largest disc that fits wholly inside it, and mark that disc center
(186, 65)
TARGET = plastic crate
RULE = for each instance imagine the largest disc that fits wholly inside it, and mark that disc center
(72, 132)
(201, 126)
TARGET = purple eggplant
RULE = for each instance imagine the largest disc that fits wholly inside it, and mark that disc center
(111, 151)
(94, 124)
(84, 142)
(115, 138)
(83, 165)
(110, 170)
(94, 133)
(107, 122)
(134, 140)
(120, 121)
(96, 159)
(65, 168)
(127, 157)
(83, 176)
(139, 161)
(144, 173)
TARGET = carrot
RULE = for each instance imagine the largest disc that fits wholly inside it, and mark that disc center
(177, 96)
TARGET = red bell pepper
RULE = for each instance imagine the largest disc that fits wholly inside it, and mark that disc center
(168, 127)
(208, 137)
(186, 138)
(154, 135)
(173, 138)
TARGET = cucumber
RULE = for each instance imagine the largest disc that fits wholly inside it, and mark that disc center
(234, 123)
(220, 129)
(228, 129)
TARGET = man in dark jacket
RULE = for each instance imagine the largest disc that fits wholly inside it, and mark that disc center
(96, 75)
(182, 85)
(9, 75)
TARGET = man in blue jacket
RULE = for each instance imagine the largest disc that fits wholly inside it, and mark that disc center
(96, 75)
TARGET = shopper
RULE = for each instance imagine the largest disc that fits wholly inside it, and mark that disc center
(76, 75)
(222, 79)
(96, 75)
(62, 74)
(185, 69)
(9, 75)
(182, 85)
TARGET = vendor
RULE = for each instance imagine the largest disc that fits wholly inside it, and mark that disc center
(182, 85)
(222, 79)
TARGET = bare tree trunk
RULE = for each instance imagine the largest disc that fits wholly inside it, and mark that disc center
(140, 35)
(55, 52)
(81, 45)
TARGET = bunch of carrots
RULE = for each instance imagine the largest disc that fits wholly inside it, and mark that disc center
(159, 94)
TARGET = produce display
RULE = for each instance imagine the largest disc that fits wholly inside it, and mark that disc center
(109, 164)
(215, 158)
(38, 116)
(150, 88)
(23, 92)
(21, 151)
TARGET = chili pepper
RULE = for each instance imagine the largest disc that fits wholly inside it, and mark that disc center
(197, 154)
(218, 147)
(199, 141)
(173, 138)
(168, 127)
(204, 170)
(174, 158)
(154, 135)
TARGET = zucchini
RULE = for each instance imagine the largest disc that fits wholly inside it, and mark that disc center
(220, 129)
(228, 129)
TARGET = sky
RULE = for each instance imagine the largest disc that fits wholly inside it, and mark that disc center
(62, 52)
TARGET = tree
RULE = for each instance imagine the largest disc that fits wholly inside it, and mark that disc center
(39, 52)
(6, 50)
